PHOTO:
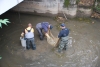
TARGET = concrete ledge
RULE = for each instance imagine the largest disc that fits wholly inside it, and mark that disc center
(83, 12)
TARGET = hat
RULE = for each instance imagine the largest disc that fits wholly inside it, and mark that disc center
(62, 25)
(51, 26)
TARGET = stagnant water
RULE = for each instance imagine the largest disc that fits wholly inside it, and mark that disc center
(83, 49)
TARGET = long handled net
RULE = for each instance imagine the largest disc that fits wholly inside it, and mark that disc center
(52, 40)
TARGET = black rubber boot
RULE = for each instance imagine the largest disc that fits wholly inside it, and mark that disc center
(41, 37)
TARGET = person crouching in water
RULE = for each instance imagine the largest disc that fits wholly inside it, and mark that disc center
(63, 36)
(29, 36)
(45, 26)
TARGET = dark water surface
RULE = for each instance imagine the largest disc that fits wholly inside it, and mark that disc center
(83, 49)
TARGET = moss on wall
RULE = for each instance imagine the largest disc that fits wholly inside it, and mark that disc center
(66, 3)
(77, 1)
(97, 8)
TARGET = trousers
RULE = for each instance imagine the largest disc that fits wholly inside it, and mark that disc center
(63, 43)
(39, 29)
(30, 42)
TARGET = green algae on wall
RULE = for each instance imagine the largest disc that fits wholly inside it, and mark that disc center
(77, 1)
(66, 3)
(97, 8)
(84, 19)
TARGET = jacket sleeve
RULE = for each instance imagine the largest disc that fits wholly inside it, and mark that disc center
(60, 34)
(45, 26)
(45, 29)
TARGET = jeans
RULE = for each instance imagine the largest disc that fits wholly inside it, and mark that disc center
(30, 42)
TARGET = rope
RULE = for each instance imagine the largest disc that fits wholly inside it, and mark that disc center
(62, 12)
(19, 13)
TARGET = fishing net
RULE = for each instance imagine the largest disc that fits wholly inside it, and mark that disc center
(52, 40)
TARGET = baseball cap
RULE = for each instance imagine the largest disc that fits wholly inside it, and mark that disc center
(62, 25)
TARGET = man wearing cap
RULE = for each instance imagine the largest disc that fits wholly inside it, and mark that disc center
(63, 36)
(43, 26)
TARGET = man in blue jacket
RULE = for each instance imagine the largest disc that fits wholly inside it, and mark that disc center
(43, 26)
(63, 36)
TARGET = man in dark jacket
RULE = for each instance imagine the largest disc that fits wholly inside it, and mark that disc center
(43, 26)
(63, 36)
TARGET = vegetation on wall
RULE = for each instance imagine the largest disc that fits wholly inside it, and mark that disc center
(97, 8)
(77, 1)
(66, 3)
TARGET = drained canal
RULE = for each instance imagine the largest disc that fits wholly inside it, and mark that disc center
(83, 48)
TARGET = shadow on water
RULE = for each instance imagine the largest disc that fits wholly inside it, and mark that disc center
(83, 48)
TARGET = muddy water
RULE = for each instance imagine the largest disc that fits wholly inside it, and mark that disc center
(83, 48)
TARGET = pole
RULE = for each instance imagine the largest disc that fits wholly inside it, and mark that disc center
(19, 12)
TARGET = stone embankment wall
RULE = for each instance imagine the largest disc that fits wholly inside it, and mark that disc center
(53, 7)
(85, 8)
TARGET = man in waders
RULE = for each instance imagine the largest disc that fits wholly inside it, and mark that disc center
(63, 36)
(29, 36)
(45, 26)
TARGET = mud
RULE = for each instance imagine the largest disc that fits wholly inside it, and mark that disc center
(83, 48)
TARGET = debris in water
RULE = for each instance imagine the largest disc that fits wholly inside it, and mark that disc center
(12, 51)
(0, 57)
(38, 62)
(93, 22)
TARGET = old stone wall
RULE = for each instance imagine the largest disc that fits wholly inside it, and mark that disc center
(85, 8)
(46, 6)
(56, 6)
